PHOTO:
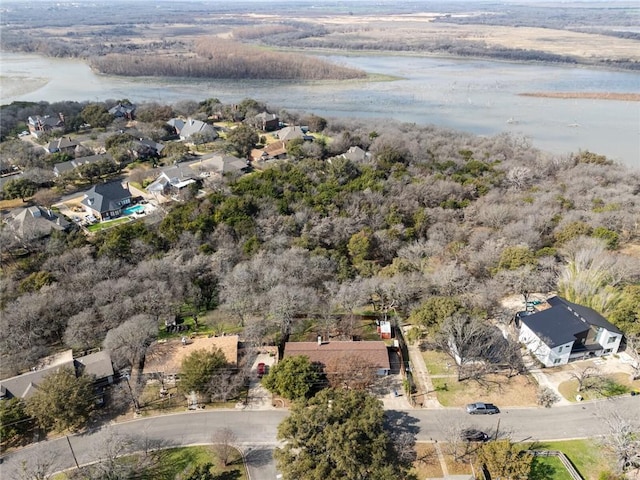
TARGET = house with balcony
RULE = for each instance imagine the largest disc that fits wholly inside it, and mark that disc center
(557, 332)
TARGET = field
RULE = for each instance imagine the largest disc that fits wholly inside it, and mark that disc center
(515, 391)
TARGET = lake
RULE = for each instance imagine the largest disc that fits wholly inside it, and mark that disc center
(476, 96)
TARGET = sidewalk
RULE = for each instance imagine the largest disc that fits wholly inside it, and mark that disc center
(426, 393)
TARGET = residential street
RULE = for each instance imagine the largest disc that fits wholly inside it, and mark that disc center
(256, 430)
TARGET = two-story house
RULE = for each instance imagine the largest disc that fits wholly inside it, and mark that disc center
(561, 332)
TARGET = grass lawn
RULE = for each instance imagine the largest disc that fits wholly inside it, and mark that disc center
(438, 363)
(515, 391)
(619, 385)
(108, 224)
(174, 462)
(586, 455)
(427, 464)
(548, 468)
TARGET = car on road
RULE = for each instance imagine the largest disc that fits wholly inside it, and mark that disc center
(473, 435)
(262, 368)
(480, 408)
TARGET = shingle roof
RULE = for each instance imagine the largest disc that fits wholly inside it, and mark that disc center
(105, 197)
(35, 222)
(327, 352)
(564, 321)
(97, 364)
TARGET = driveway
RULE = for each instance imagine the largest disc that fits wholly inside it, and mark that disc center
(259, 397)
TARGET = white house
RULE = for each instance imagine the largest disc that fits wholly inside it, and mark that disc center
(563, 332)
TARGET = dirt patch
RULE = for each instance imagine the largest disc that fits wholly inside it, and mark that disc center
(427, 464)
(633, 250)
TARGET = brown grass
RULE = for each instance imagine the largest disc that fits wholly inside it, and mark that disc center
(427, 465)
(625, 97)
(515, 391)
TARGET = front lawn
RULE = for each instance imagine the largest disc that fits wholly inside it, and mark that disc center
(96, 227)
(586, 455)
(548, 468)
(515, 391)
(599, 387)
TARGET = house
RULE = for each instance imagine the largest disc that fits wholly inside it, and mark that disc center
(272, 151)
(208, 164)
(558, 332)
(172, 180)
(356, 154)
(155, 148)
(68, 166)
(42, 125)
(330, 353)
(287, 134)
(24, 386)
(106, 200)
(126, 110)
(267, 122)
(62, 145)
(187, 128)
(35, 222)
(384, 329)
(165, 358)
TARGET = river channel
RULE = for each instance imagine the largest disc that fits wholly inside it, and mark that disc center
(477, 96)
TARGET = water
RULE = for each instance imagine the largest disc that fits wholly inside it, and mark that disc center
(476, 96)
(133, 209)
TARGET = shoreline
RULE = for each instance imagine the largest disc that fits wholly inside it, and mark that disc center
(624, 97)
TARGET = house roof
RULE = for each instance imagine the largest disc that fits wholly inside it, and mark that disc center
(25, 385)
(105, 197)
(218, 163)
(35, 222)
(589, 315)
(97, 364)
(70, 165)
(174, 175)
(289, 133)
(375, 352)
(356, 154)
(192, 127)
(563, 322)
(121, 110)
(61, 143)
(272, 150)
(166, 357)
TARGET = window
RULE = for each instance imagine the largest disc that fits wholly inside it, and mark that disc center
(560, 350)
(612, 339)
(557, 361)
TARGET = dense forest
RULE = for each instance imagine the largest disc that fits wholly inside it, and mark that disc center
(427, 214)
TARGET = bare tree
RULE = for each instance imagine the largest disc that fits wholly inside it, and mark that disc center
(633, 350)
(38, 467)
(128, 343)
(546, 397)
(223, 445)
(582, 375)
(623, 441)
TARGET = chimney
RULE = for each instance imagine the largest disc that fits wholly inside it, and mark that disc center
(319, 340)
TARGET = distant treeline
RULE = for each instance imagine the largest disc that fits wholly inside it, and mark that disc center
(219, 58)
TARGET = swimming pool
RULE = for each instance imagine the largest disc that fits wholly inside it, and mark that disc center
(133, 209)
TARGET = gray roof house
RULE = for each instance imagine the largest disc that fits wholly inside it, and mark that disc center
(560, 331)
(24, 386)
(266, 121)
(289, 133)
(64, 167)
(40, 125)
(186, 128)
(106, 200)
(356, 154)
(35, 222)
(62, 144)
(172, 179)
(126, 110)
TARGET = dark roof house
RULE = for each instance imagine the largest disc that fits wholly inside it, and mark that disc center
(62, 144)
(126, 110)
(106, 200)
(562, 331)
(69, 166)
(40, 125)
(267, 122)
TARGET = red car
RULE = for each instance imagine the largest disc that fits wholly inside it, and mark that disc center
(262, 368)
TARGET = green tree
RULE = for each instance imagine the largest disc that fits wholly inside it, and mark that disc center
(175, 151)
(198, 369)
(515, 257)
(337, 434)
(626, 312)
(293, 378)
(20, 188)
(96, 115)
(572, 230)
(505, 460)
(13, 419)
(612, 238)
(62, 401)
(243, 138)
(434, 311)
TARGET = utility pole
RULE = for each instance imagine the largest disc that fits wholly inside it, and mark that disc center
(72, 452)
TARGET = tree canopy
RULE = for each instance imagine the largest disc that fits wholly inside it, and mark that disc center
(505, 460)
(293, 378)
(198, 369)
(337, 434)
(62, 401)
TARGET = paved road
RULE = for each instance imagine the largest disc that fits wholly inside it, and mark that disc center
(256, 430)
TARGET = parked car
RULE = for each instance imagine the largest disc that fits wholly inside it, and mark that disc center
(473, 435)
(262, 368)
(480, 408)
